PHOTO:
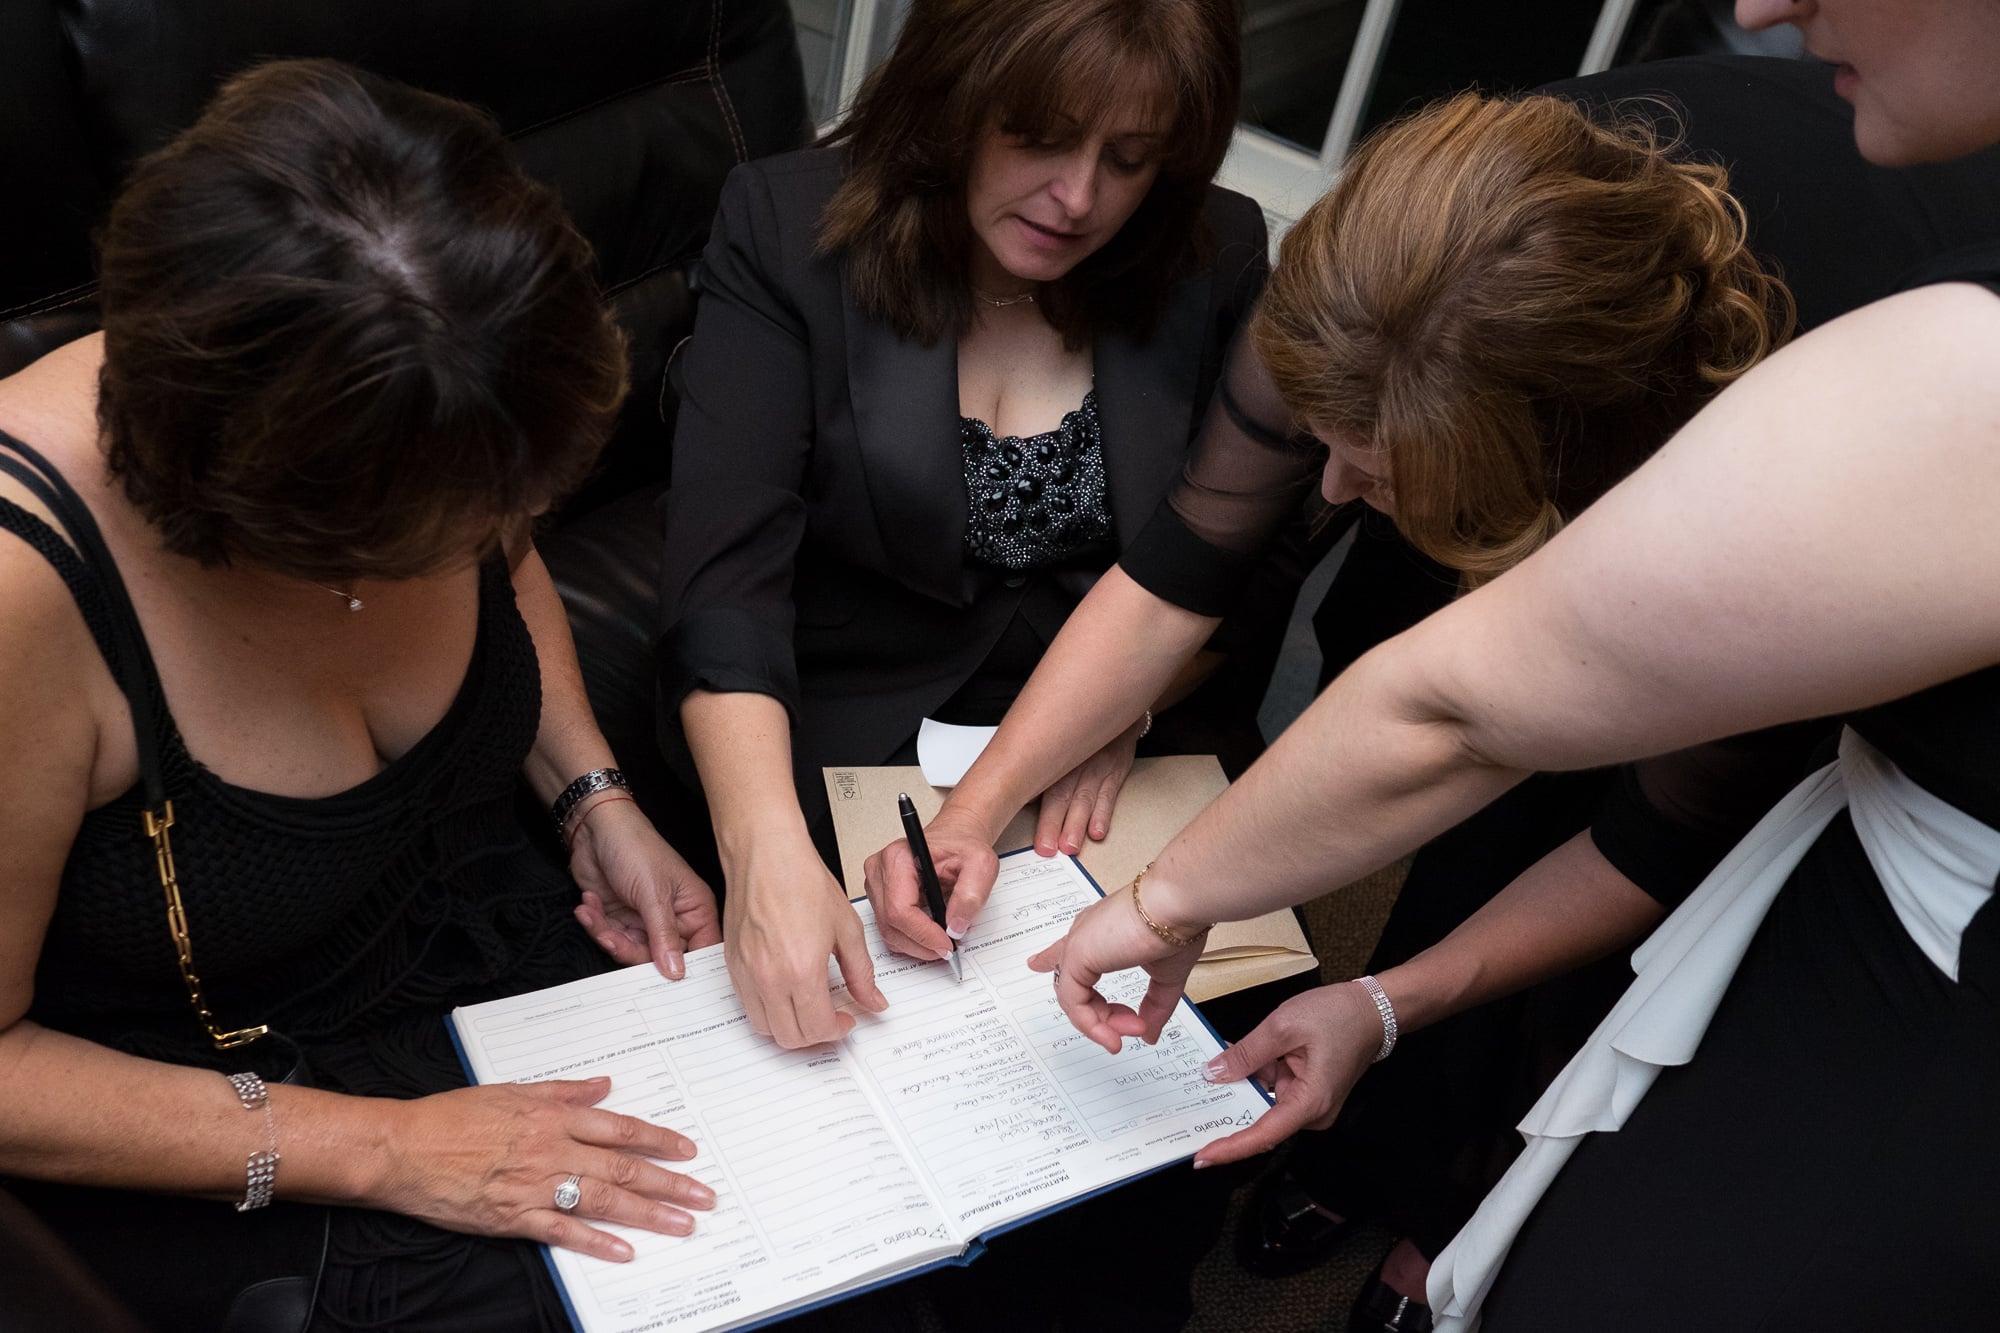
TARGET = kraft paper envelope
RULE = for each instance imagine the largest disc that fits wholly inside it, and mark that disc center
(1158, 800)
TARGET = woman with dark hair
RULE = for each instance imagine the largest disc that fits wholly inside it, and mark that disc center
(1786, 1123)
(944, 369)
(273, 642)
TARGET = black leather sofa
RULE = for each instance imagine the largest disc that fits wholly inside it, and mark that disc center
(634, 110)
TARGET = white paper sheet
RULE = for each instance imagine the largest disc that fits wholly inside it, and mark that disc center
(947, 751)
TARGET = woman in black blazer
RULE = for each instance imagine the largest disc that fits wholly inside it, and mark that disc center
(944, 370)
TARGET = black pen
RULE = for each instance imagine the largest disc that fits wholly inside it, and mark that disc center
(913, 829)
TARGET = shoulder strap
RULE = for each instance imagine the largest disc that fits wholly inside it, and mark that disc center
(134, 664)
(140, 681)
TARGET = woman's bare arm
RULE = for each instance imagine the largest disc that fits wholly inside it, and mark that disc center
(1120, 649)
(481, 1160)
(1817, 540)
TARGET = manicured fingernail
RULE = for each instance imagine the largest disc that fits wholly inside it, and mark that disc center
(676, 965)
(1216, 1069)
(1201, 1164)
(1045, 849)
(703, 1196)
(608, 943)
(1072, 848)
(679, 1224)
(944, 955)
(620, 1251)
(1097, 831)
(688, 1149)
(956, 932)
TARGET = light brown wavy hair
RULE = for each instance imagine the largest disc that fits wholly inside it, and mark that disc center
(1044, 70)
(1516, 306)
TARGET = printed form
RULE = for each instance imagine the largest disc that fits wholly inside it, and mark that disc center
(964, 1108)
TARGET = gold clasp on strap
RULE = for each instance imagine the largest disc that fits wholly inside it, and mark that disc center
(157, 825)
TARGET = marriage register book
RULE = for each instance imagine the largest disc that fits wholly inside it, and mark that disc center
(963, 1111)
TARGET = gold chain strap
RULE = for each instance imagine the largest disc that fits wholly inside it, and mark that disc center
(177, 924)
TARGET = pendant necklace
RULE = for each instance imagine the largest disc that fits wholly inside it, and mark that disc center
(353, 603)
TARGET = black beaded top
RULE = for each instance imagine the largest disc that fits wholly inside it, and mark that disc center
(1035, 500)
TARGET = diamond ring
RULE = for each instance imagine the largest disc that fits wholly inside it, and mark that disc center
(569, 1192)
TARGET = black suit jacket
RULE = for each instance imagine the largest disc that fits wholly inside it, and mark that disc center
(815, 531)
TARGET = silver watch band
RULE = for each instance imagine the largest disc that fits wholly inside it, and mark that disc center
(591, 783)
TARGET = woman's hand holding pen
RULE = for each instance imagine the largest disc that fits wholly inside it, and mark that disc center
(1108, 936)
(962, 851)
(1310, 1051)
(783, 915)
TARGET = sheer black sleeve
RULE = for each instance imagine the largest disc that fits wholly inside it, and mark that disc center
(1666, 822)
(1250, 470)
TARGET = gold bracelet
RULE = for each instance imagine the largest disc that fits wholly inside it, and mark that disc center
(1177, 941)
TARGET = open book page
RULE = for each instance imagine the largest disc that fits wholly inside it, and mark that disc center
(1007, 1107)
(962, 1109)
(813, 1193)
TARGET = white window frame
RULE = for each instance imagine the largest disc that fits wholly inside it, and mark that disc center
(1282, 177)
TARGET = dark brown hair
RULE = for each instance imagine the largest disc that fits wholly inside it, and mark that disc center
(1516, 306)
(344, 335)
(1043, 69)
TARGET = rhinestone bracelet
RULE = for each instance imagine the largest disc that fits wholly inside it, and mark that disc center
(262, 1170)
(1384, 1008)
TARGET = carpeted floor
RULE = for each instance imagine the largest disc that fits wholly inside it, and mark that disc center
(1227, 1299)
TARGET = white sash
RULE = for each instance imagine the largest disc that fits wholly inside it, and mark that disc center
(1936, 863)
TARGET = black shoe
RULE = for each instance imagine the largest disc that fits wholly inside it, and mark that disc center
(1379, 1309)
(1282, 1232)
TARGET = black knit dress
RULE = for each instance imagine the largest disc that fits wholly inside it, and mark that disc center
(351, 924)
